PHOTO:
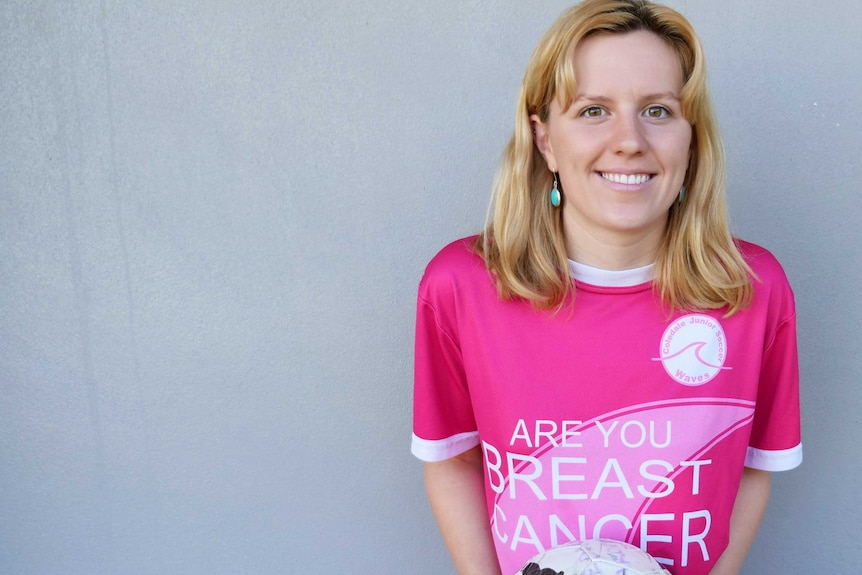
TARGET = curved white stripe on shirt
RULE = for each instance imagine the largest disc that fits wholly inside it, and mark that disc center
(774, 460)
(610, 278)
(440, 449)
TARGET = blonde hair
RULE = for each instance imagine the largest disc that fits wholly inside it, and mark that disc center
(698, 265)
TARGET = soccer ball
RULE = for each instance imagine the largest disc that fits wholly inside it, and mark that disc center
(593, 557)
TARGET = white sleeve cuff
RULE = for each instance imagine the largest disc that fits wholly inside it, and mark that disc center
(774, 460)
(440, 449)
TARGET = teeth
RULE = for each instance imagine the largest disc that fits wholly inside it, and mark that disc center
(626, 179)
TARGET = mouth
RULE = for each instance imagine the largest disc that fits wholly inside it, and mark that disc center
(628, 179)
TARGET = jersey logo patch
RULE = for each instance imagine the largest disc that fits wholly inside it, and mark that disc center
(693, 349)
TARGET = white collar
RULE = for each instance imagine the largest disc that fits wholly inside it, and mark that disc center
(611, 278)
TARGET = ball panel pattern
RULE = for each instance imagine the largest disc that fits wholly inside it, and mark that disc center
(593, 557)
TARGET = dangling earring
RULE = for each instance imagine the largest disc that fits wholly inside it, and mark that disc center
(556, 197)
(682, 194)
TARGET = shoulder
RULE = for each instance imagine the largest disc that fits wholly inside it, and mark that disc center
(765, 266)
(454, 267)
(770, 282)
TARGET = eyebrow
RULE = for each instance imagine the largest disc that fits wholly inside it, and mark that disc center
(654, 96)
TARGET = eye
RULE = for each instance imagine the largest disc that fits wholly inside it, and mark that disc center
(593, 112)
(657, 112)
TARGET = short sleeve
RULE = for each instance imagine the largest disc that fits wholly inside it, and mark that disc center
(775, 443)
(443, 421)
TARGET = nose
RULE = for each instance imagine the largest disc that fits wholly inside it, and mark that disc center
(629, 137)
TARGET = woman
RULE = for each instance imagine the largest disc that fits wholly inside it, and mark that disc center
(604, 360)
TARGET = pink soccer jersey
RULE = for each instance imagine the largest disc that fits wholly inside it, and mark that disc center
(612, 417)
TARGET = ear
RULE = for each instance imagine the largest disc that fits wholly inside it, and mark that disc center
(542, 140)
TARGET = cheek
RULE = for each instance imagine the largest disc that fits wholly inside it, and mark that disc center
(677, 150)
(574, 150)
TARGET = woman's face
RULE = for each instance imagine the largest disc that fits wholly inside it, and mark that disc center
(621, 149)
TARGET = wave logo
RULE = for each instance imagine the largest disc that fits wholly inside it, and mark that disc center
(693, 349)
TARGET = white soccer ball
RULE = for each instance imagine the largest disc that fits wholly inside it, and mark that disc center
(593, 557)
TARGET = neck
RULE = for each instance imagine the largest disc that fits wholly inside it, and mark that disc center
(611, 251)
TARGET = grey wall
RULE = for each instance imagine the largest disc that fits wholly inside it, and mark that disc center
(213, 217)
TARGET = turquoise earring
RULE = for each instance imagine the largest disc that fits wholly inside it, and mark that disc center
(682, 194)
(556, 196)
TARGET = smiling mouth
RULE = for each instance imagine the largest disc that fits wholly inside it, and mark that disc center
(631, 179)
